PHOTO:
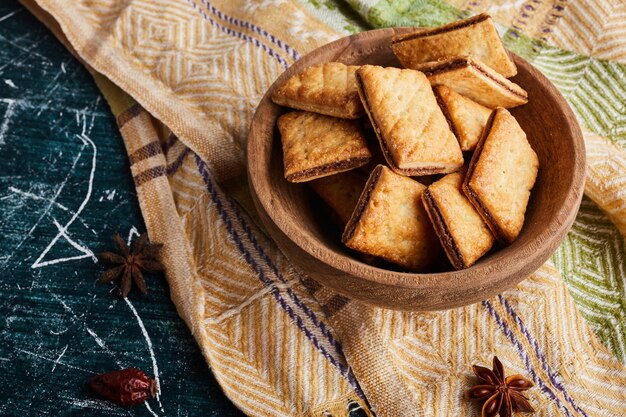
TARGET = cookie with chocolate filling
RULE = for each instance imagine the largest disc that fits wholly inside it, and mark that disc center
(501, 174)
(475, 36)
(461, 230)
(466, 117)
(413, 132)
(328, 89)
(472, 78)
(315, 145)
(390, 222)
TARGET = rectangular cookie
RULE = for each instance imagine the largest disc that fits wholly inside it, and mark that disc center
(390, 222)
(340, 192)
(315, 146)
(461, 230)
(466, 117)
(476, 36)
(413, 132)
(501, 174)
(328, 89)
(470, 77)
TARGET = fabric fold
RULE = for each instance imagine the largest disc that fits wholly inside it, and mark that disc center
(183, 78)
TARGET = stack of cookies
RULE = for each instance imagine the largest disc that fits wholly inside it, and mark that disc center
(439, 163)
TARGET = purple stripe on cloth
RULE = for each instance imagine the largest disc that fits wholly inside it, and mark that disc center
(539, 354)
(320, 324)
(215, 197)
(242, 23)
(268, 262)
(240, 35)
(147, 151)
(171, 141)
(149, 175)
(344, 370)
(174, 166)
(522, 353)
(128, 114)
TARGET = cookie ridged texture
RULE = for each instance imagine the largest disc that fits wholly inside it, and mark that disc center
(461, 230)
(475, 36)
(472, 78)
(466, 117)
(315, 145)
(328, 89)
(413, 132)
(501, 175)
(390, 222)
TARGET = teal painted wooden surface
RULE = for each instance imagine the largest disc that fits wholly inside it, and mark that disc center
(65, 188)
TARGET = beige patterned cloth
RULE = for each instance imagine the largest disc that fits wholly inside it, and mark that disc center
(183, 78)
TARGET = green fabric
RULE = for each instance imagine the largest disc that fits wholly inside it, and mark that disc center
(594, 88)
(412, 13)
(337, 15)
(593, 264)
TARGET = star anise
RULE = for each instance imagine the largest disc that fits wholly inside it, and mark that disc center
(130, 263)
(502, 394)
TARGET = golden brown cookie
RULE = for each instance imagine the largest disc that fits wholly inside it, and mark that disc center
(501, 174)
(328, 88)
(466, 117)
(315, 146)
(461, 230)
(390, 222)
(340, 192)
(472, 78)
(413, 132)
(475, 36)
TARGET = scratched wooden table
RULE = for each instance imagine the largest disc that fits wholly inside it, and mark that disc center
(65, 188)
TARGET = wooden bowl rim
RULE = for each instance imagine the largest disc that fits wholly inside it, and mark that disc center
(534, 253)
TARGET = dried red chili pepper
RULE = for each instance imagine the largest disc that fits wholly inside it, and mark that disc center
(126, 387)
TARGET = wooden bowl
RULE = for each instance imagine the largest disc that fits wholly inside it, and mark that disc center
(292, 218)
